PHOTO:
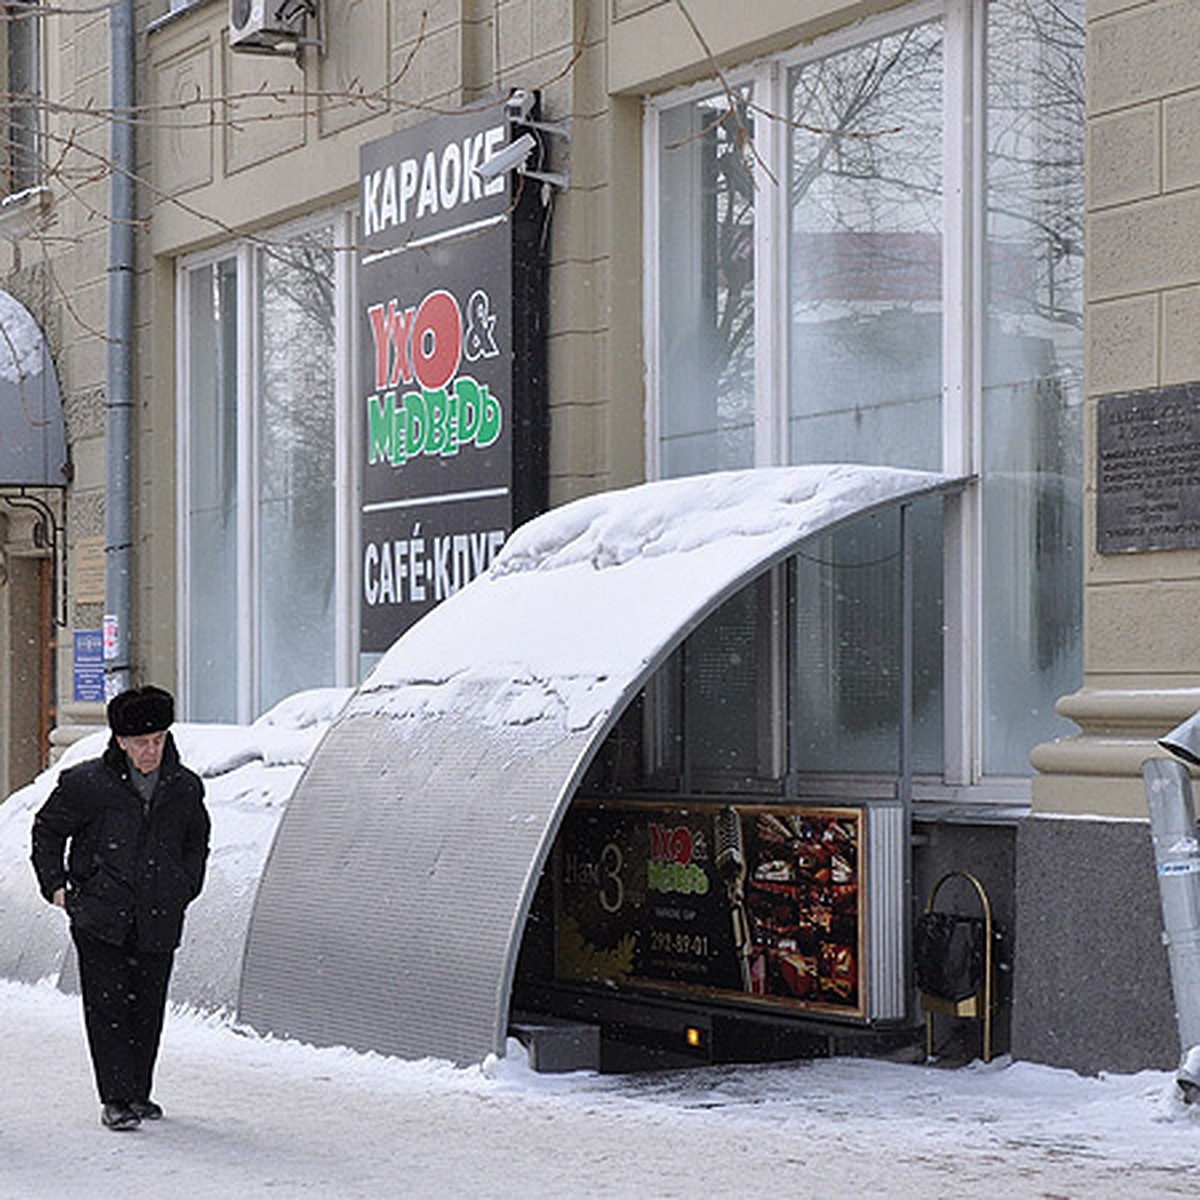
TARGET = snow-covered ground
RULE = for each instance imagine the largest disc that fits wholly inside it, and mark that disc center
(250, 1117)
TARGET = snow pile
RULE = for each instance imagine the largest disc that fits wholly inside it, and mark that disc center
(249, 773)
(250, 1116)
(678, 516)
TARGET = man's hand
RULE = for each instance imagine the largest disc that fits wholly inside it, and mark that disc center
(59, 898)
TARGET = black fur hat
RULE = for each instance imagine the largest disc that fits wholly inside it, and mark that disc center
(141, 710)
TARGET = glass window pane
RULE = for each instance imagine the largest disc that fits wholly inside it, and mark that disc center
(1033, 364)
(706, 278)
(22, 63)
(296, 463)
(212, 514)
(727, 700)
(848, 648)
(865, 250)
(710, 713)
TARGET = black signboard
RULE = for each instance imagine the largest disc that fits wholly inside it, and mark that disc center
(451, 298)
(758, 903)
(1148, 470)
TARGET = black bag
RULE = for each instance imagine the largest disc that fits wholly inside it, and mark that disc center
(949, 953)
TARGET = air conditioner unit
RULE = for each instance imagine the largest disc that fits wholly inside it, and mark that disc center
(264, 26)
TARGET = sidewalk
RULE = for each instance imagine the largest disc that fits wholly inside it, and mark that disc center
(247, 1118)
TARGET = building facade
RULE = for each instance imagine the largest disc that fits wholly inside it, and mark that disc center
(947, 235)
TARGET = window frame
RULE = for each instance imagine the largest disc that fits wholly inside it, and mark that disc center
(245, 253)
(25, 112)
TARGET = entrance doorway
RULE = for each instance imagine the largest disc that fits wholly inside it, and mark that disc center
(29, 698)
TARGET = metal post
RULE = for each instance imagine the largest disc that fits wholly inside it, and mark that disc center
(906, 662)
(904, 781)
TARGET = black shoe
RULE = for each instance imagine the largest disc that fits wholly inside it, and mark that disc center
(145, 1110)
(119, 1116)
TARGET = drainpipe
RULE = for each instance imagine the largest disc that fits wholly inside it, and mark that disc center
(1177, 864)
(118, 505)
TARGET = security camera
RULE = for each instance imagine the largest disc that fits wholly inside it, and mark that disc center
(511, 156)
(519, 105)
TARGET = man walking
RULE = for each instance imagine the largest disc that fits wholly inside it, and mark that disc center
(121, 844)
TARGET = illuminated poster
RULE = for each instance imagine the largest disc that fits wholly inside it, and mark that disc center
(762, 903)
(450, 299)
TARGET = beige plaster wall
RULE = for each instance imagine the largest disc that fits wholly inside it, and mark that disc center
(1142, 270)
(234, 144)
(654, 44)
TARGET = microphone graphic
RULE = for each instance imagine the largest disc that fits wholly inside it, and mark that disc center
(730, 863)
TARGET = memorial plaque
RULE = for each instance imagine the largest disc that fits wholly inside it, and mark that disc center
(88, 561)
(1148, 470)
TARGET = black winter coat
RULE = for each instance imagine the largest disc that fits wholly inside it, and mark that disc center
(128, 869)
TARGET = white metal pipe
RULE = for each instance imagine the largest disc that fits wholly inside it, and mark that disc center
(1177, 864)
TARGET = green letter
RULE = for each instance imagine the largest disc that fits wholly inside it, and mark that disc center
(418, 421)
(436, 435)
(466, 392)
(489, 421)
(380, 419)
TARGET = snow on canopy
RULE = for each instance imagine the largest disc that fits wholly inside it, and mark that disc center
(566, 648)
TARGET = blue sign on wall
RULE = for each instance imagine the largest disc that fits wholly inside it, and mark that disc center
(89, 665)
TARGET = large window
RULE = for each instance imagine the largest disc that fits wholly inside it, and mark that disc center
(20, 28)
(706, 274)
(1031, 377)
(864, 237)
(263, 545)
(871, 251)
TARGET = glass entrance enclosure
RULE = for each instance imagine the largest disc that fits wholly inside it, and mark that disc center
(722, 871)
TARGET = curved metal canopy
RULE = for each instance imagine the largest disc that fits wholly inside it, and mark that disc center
(33, 436)
(392, 906)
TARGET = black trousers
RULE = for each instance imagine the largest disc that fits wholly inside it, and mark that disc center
(124, 998)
